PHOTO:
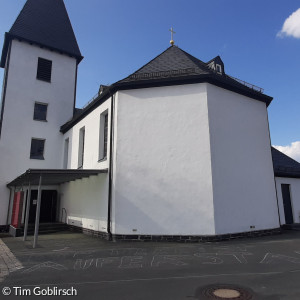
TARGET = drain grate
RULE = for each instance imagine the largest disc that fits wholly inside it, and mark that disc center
(225, 291)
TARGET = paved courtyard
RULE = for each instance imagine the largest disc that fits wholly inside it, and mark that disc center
(89, 268)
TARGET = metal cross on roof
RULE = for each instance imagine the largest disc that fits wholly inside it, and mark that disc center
(172, 31)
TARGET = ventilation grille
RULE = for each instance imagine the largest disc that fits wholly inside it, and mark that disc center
(44, 69)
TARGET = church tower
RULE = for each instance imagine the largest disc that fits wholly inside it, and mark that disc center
(40, 57)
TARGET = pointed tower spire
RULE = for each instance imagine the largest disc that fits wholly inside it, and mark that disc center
(45, 23)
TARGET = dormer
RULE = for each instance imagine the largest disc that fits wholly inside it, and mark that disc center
(217, 65)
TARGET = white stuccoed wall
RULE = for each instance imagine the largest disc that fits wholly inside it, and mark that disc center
(91, 145)
(23, 90)
(295, 199)
(162, 170)
(242, 170)
(86, 200)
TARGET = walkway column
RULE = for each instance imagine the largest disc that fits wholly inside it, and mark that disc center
(27, 212)
(37, 216)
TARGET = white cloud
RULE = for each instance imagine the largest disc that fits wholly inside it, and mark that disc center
(292, 150)
(291, 26)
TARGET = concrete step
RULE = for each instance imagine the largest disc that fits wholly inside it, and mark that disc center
(45, 228)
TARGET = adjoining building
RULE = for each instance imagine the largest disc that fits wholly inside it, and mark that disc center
(178, 150)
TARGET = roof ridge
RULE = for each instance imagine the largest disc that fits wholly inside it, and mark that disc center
(21, 12)
(145, 64)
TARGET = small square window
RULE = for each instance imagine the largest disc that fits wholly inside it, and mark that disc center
(40, 112)
(44, 69)
(37, 149)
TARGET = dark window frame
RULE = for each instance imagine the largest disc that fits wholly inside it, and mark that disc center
(35, 118)
(103, 136)
(37, 156)
(81, 147)
(44, 69)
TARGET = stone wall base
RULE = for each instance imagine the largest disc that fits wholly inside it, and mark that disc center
(195, 239)
(176, 238)
(102, 235)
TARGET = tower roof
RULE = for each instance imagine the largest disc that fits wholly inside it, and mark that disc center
(45, 23)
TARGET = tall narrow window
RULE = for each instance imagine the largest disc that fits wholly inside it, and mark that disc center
(81, 147)
(103, 136)
(40, 111)
(37, 148)
(44, 69)
(66, 153)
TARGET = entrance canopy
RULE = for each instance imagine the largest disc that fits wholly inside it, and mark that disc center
(44, 177)
(52, 176)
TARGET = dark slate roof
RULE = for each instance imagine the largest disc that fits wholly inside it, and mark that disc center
(45, 23)
(284, 166)
(172, 67)
(173, 62)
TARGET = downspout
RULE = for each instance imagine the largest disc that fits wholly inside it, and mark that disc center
(75, 90)
(110, 170)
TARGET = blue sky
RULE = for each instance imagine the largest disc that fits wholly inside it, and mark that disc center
(116, 37)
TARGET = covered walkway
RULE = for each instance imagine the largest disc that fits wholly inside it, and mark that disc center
(46, 177)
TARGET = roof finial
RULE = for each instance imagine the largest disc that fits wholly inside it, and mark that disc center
(172, 31)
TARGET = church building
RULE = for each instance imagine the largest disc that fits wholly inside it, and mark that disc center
(178, 150)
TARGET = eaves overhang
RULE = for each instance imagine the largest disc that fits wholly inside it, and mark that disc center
(287, 172)
(219, 81)
(9, 37)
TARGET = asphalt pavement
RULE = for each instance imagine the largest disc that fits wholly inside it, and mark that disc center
(78, 266)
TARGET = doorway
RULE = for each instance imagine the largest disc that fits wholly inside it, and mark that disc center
(287, 205)
(48, 206)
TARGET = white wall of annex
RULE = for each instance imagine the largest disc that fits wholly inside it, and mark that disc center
(162, 171)
(91, 123)
(18, 127)
(242, 170)
(295, 197)
(85, 201)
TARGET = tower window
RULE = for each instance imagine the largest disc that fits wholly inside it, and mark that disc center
(40, 111)
(44, 69)
(37, 148)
